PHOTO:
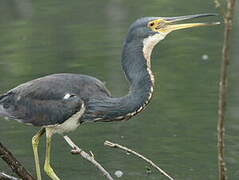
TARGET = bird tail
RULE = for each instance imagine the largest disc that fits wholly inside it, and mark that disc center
(3, 112)
(2, 97)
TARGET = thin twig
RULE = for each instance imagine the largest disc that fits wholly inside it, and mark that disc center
(4, 176)
(77, 150)
(114, 145)
(14, 164)
(223, 88)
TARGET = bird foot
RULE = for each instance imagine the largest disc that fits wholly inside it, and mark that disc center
(50, 172)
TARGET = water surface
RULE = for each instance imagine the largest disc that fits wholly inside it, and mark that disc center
(177, 130)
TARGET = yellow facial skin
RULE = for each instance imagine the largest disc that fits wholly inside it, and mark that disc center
(163, 26)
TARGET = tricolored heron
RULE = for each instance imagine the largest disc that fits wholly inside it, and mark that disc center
(59, 103)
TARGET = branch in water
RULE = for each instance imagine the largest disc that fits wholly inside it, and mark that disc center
(113, 145)
(77, 150)
(14, 164)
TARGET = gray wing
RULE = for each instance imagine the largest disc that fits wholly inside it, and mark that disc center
(51, 99)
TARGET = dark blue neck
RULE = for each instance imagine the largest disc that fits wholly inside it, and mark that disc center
(138, 73)
(136, 69)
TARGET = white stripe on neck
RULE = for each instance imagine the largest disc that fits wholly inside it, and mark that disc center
(149, 44)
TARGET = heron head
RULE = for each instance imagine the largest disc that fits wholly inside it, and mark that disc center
(151, 30)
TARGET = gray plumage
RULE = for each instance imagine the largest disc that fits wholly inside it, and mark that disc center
(55, 98)
(61, 102)
(41, 101)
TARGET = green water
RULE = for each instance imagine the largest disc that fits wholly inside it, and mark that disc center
(177, 130)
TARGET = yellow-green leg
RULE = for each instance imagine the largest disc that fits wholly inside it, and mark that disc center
(35, 142)
(47, 167)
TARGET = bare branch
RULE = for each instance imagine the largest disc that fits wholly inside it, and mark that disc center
(14, 164)
(223, 87)
(113, 145)
(77, 150)
(4, 176)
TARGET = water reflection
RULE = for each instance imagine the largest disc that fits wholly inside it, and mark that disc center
(177, 130)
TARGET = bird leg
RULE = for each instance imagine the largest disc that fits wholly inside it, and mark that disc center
(47, 167)
(35, 142)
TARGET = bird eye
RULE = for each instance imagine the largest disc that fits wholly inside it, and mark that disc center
(151, 24)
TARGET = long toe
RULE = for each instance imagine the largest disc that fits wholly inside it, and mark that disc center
(50, 172)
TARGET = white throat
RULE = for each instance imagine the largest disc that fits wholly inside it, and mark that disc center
(149, 44)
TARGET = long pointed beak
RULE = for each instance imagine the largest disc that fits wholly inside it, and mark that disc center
(169, 25)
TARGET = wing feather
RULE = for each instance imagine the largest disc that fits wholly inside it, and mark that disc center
(41, 102)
